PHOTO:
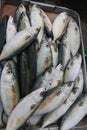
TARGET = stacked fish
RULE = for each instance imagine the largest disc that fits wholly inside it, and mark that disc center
(41, 72)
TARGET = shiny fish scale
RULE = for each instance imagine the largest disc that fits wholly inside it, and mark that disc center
(60, 111)
(11, 29)
(9, 87)
(37, 22)
(59, 25)
(53, 100)
(72, 69)
(73, 36)
(75, 114)
(43, 58)
(24, 109)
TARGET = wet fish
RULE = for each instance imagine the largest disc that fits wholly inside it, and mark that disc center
(9, 87)
(53, 77)
(47, 23)
(44, 58)
(11, 29)
(37, 22)
(64, 54)
(3, 26)
(75, 114)
(72, 69)
(23, 22)
(60, 111)
(73, 36)
(54, 51)
(18, 13)
(18, 43)
(59, 25)
(25, 109)
(54, 99)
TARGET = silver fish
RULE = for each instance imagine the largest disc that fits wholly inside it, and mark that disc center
(37, 22)
(18, 12)
(60, 111)
(72, 69)
(64, 52)
(11, 29)
(18, 43)
(44, 57)
(54, 99)
(59, 25)
(53, 77)
(9, 87)
(47, 23)
(23, 22)
(75, 114)
(54, 51)
(73, 36)
(25, 109)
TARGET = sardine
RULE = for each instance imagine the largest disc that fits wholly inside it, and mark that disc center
(59, 25)
(60, 111)
(25, 109)
(73, 36)
(18, 43)
(47, 23)
(54, 51)
(3, 26)
(54, 98)
(11, 29)
(18, 13)
(44, 58)
(23, 22)
(75, 114)
(53, 77)
(37, 22)
(72, 69)
(64, 52)
(9, 87)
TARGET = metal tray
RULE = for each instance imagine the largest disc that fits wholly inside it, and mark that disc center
(56, 10)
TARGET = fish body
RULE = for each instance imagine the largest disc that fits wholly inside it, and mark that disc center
(18, 43)
(72, 69)
(73, 36)
(9, 87)
(25, 109)
(70, 119)
(37, 22)
(54, 99)
(60, 111)
(59, 25)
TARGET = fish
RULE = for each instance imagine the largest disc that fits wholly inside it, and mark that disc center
(9, 87)
(3, 26)
(64, 54)
(18, 13)
(54, 51)
(24, 109)
(44, 58)
(47, 24)
(23, 22)
(54, 98)
(51, 78)
(73, 36)
(34, 120)
(2, 124)
(75, 114)
(60, 111)
(59, 25)
(72, 69)
(11, 29)
(18, 43)
(36, 20)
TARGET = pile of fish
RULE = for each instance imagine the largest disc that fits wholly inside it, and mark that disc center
(41, 76)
